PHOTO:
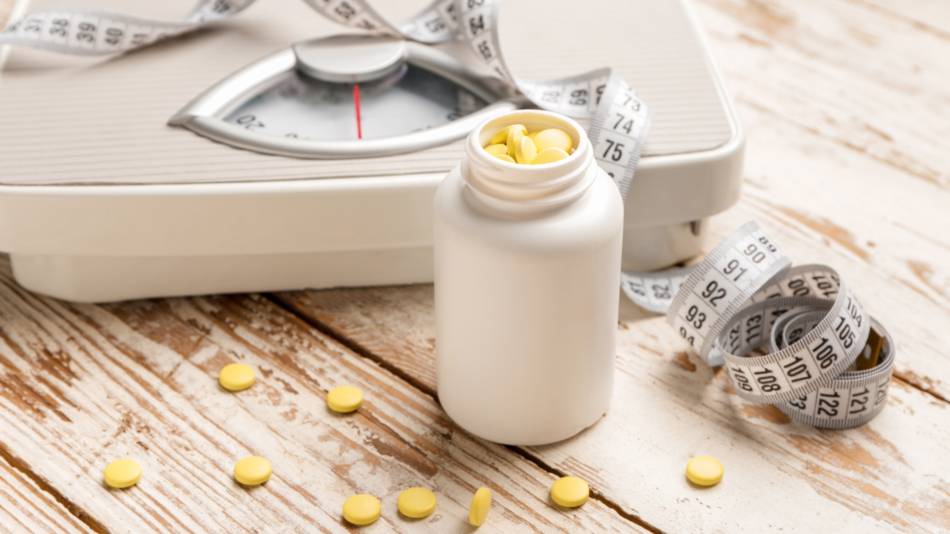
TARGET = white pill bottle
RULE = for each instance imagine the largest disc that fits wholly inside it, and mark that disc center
(527, 277)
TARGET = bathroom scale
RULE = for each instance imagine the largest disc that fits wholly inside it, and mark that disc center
(229, 159)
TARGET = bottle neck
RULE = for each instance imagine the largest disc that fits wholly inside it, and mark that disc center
(512, 188)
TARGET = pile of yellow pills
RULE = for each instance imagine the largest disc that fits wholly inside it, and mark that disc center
(344, 399)
(704, 470)
(416, 503)
(481, 505)
(121, 474)
(361, 510)
(569, 492)
(252, 470)
(515, 144)
(236, 376)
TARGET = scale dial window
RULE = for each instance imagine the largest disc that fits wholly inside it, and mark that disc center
(347, 96)
(410, 100)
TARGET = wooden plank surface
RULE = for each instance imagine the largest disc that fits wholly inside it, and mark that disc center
(27, 506)
(848, 154)
(83, 384)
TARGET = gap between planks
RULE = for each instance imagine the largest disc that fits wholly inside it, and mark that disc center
(363, 352)
(910, 381)
(83, 516)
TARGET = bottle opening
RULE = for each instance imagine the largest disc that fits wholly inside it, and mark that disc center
(513, 186)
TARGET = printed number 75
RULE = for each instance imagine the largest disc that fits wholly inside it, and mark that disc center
(614, 150)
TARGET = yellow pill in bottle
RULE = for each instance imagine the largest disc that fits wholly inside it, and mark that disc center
(515, 133)
(554, 138)
(252, 470)
(525, 152)
(345, 399)
(362, 509)
(236, 376)
(570, 492)
(506, 157)
(481, 505)
(416, 503)
(123, 473)
(500, 137)
(704, 470)
(497, 149)
(549, 155)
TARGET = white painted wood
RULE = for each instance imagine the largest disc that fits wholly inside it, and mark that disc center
(26, 507)
(86, 384)
(845, 108)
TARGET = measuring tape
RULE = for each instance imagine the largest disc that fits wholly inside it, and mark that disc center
(796, 337)
(101, 33)
(598, 95)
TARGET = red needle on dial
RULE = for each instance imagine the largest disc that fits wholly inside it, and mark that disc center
(356, 105)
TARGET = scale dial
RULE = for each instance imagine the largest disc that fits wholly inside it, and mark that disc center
(411, 99)
(346, 96)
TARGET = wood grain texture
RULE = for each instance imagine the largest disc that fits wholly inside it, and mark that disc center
(25, 506)
(83, 384)
(864, 78)
(848, 154)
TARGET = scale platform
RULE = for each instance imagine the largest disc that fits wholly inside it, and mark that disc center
(104, 197)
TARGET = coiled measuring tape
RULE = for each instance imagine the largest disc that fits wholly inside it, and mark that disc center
(796, 337)
(596, 95)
